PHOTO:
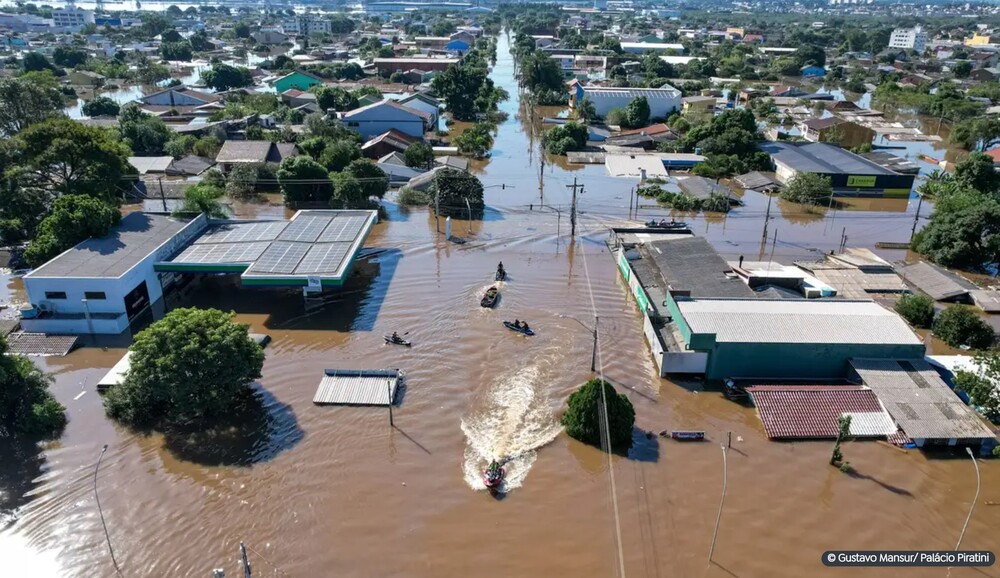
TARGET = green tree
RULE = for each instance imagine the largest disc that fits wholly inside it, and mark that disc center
(453, 188)
(338, 154)
(585, 110)
(637, 113)
(476, 141)
(843, 433)
(206, 199)
(242, 181)
(959, 325)
(808, 189)
(341, 24)
(74, 218)
(145, 134)
(26, 405)
(981, 387)
(65, 157)
(980, 133)
(187, 368)
(334, 97)
(303, 180)
(348, 192)
(964, 231)
(961, 69)
(69, 56)
(585, 415)
(36, 61)
(977, 171)
(538, 71)
(419, 155)
(917, 310)
(23, 102)
(810, 54)
(242, 30)
(223, 77)
(181, 51)
(568, 137)
(101, 106)
(373, 179)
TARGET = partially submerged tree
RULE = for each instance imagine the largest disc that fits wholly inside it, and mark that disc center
(457, 192)
(808, 189)
(303, 180)
(959, 325)
(225, 77)
(585, 413)
(419, 155)
(476, 141)
(843, 433)
(964, 231)
(26, 405)
(101, 106)
(981, 386)
(917, 310)
(187, 368)
(205, 199)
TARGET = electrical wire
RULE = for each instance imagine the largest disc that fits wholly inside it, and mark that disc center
(97, 496)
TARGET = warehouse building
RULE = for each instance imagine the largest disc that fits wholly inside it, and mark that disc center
(851, 175)
(663, 101)
(101, 285)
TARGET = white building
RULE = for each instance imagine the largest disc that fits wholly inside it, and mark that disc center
(641, 47)
(909, 38)
(662, 101)
(306, 24)
(72, 18)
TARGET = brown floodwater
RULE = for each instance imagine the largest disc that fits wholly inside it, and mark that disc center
(324, 491)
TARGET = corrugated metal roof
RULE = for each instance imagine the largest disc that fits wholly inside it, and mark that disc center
(811, 411)
(919, 400)
(357, 387)
(797, 321)
(934, 281)
(670, 92)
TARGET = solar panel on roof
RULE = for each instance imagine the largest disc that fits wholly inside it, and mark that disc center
(342, 229)
(222, 253)
(305, 228)
(280, 257)
(243, 232)
(325, 258)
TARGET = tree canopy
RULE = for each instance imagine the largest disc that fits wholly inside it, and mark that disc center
(26, 405)
(74, 218)
(476, 141)
(334, 97)
(808, 189)
(959, 325)
(918, 310)
(144, 133)
(204, 198)
(65, 157)
(419, 155)
(963, 232)
(303, 180)
(187, 368)
(371, 177)
(101, 106)
(453, 188)
(584, 415)
(23, 102)
(226, 77)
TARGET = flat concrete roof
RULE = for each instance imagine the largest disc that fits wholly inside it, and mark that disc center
(691, 264)
(821, 158)
(313, 244)
(823, 321)
(138, 235)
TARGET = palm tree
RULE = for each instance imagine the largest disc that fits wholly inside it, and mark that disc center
(585, 110)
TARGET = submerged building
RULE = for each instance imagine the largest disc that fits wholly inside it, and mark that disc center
(101, 285)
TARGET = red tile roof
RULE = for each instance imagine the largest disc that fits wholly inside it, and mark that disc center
(809, 411)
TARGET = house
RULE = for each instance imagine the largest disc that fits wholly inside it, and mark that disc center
(979, 40)
(386, 143)
(463, 36)
(458, 46)
(86, 78)
(697, 104)
(984, 59)
(295, 98)
(753, 39)
(786, 91)
(299, 79)
(378, 118)
(662, 101)
(424, 102)
(190, 166)
(659, 47)
(984, 74)
(386, 66)
(834, 129)
(269, 37)
(179, 96)
(812, 70)
(147, 165)
(252, 152)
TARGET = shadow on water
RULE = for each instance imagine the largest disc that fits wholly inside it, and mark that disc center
(645, 446)
(257, 431)
(23, 462)
(353, 307)
(894, 489)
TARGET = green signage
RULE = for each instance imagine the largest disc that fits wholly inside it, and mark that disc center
(861, 181)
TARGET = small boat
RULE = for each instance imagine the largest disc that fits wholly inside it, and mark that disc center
(397, 341)
(501, 275)
(492, 480)
(687, 436)
(671, 225)
(511, 326)
(490, 297)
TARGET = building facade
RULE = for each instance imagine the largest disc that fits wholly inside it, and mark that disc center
(909, 38)
(72, 18)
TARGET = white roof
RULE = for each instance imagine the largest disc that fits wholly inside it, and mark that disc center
(117, 374)
(797, 321)
(669, 92)
(653, 45)
(150, 164)
(632, 165)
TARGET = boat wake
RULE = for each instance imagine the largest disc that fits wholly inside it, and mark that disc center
(513, 421)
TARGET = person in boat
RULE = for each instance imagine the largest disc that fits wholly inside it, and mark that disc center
(396, 338)
(663, 222)
(524, 326)
(500, 270)
(494, 469)
(517, 323)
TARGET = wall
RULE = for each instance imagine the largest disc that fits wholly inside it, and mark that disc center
(796, 360)
(604, 103)
(76, 326)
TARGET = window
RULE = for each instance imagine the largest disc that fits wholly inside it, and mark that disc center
(55, 294)
(95, 295)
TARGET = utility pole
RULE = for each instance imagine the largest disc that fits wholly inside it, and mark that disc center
(767, 216)
(916, 217)
(572, 208)
(437, 211)
(593, 355)
(725, 479)
(389, 387)
(541, 175)
(163, 196)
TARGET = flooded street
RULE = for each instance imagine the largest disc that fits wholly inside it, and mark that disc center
(336, 491)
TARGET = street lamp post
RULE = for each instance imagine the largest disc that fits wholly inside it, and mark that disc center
(974, 500)
(593, 331)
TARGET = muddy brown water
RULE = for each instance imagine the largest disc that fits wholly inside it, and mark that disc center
(323, 491)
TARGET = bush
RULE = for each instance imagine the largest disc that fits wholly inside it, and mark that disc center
(26, 405)
(615, 116)
(583, 418)
(716, 203)
(959, 325)
(685, 202)
(101, 106)
(419, 155)
(242, 182)
(917, 310)
(408, 197)
(571, 136)
(187, 368)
